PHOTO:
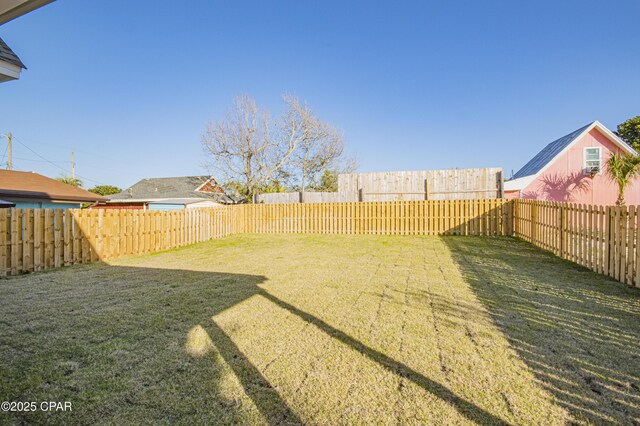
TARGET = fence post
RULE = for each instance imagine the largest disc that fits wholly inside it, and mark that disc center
(514, 217)
(637, 281)
(630, 243)
(16, 255)
(561, 230)
(5, 224)
(607, 239)
(534, 220)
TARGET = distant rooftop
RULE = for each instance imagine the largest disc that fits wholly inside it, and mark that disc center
(32, 185)
(180, 187)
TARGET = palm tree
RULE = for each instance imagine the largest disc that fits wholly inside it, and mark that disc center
(622, 169)
(70, 180)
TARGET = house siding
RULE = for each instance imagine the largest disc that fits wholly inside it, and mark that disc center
(564, 179)
(166, 206)
(203, 204)
(120, 206)
(28, 203)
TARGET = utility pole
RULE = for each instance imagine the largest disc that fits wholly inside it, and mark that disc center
(73, 166)
(9, 152)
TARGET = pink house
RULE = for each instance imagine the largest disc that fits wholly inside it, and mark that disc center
(572, 169)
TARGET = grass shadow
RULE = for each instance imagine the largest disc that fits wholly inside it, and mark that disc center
(577, 331)
(131, 344)
(464, 407)
(111, 339)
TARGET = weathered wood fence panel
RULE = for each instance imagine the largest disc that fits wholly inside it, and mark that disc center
(279, 197)
(452, 184)
(37, 239)
(603, 239)
(303, 197)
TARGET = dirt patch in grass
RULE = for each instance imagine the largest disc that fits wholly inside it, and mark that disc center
(322, 330)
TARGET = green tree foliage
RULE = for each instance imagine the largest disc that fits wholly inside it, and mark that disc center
(629, 131)
(622, 169)
(105, 190)
(328, 182)
(273, 185)
(70, 181)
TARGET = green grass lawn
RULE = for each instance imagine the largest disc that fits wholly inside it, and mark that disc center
(280, 329)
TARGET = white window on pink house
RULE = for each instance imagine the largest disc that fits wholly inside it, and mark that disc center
(592, 161)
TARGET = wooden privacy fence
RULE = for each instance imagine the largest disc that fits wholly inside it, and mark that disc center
(452, 184)
(488, 217)
(605, 239)
(37, 239)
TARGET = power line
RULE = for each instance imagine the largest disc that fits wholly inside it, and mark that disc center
(46, 160)
(5, 153)
(38, 161)
(72, 146)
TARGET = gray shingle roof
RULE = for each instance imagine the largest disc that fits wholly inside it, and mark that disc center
(182, 187)
(548, 153)
(7, 55)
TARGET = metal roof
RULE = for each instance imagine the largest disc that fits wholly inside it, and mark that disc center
(548, 153)
(182, 187)
(7, 55)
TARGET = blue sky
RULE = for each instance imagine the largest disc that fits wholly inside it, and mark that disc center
(130, 85)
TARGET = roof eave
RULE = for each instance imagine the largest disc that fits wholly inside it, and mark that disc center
(13, 9)
(46, 196)
(9, 71)
(518, 184)
(205, 182)
(161, 200)
(613, 137)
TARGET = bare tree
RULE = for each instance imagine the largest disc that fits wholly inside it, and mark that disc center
(320, 148)
(246, 148)
(252, 153)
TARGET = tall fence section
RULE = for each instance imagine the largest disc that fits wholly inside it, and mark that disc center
(604, 239)
(452, 184)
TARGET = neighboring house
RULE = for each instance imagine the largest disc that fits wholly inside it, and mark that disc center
(10, 65)
(31, 190)
(171, 193)
(573, 168)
